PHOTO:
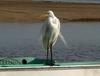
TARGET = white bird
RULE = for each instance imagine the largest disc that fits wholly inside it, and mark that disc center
(50, 33)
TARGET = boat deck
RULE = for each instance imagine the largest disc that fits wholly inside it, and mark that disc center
(31, 66)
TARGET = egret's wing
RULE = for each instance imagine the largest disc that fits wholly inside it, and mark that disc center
(58, 21)
(61, 36)
(43, 28)
(63, 39)
(44, 35)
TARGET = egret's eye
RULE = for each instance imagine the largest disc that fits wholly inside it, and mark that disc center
(47, 12)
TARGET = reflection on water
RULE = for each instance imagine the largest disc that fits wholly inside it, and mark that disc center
(23, 40)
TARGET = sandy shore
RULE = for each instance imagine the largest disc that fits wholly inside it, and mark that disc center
(19, 11)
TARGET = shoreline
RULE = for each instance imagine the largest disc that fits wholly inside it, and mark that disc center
(28, 11)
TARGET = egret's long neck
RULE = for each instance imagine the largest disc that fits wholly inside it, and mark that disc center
(53, 21)
(52, 15)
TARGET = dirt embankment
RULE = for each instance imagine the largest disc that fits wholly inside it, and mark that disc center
(27, 11)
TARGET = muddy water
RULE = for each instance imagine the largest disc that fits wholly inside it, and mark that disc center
(20, 39)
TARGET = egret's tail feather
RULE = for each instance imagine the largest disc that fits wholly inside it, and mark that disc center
(63, 39)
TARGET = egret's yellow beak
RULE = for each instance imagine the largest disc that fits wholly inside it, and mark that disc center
(43, 15)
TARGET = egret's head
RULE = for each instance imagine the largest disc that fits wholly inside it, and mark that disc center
(46, 14)
(50, 13)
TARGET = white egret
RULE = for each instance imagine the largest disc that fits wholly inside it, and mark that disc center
(50, 33)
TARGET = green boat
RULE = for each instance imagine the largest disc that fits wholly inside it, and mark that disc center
(29, 66)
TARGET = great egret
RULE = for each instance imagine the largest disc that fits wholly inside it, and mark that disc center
(50, 33)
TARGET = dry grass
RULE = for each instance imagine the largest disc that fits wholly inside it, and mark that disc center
(19, 11)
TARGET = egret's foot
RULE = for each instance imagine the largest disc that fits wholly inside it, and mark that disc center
(49, 62)
(52, 63)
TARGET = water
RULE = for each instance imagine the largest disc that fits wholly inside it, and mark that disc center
(19, 39)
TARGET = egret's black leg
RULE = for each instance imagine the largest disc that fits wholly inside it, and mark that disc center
(52, 63)
(47, 54)
(51, 52)
(47, 58)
